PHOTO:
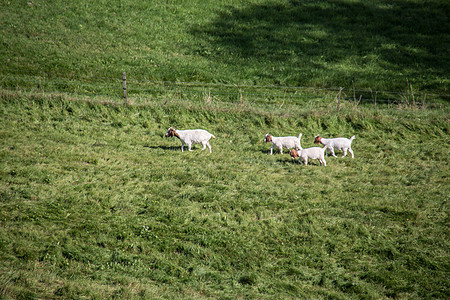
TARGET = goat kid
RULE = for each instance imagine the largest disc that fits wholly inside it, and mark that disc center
(191, 136)
(343, 144)
(281, 142)
(312, 153)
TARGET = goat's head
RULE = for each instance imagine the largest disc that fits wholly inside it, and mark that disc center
(268, 138)
(317, 139)
(171, 132)
(293, 153)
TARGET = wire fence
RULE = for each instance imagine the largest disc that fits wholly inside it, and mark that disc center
(141, 91)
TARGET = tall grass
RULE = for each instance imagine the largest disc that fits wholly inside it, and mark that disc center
(97, 203)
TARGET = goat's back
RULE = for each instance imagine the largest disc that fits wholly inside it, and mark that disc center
(339, 143)
(287, 141)
(195, 135)
(313, 152)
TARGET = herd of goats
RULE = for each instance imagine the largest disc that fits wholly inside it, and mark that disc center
(201, 136)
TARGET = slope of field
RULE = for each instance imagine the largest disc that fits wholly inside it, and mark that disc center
(377, 45)
(96, 203)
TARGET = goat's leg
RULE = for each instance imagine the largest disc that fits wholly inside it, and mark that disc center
(351, 152)
(332, 151)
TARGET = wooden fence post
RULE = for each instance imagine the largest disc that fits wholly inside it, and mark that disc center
(124, 77)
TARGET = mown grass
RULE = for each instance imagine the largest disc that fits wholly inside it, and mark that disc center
(96, 203)
(372, 45)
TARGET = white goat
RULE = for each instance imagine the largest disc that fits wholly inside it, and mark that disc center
(312, 153)
(192, 136)
(343, 144)
(281, 142)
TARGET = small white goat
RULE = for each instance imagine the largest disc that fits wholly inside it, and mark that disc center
(281, 142)
(343, 144)
(192, 136)
(312, 153)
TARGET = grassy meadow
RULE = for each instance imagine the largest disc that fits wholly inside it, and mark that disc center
(96, 203)
(373, 45)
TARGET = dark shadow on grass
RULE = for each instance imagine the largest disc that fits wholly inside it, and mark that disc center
(296, 162)
(265, 151)
(171, 148)
(350, 39)
(285, 161)
(177, 148)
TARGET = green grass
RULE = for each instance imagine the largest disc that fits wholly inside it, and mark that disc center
(372, 45)
(96, 203)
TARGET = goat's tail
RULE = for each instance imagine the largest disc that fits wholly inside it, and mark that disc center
(299, 142)
(352, 138)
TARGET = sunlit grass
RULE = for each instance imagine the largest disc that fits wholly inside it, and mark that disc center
(97, 203)
(377, 45)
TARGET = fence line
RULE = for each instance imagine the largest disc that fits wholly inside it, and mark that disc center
(163, 90)
(71, 76)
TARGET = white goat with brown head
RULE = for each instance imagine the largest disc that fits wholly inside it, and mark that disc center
(281, 142)
(343, 144)
(191, 136)
(312, 153)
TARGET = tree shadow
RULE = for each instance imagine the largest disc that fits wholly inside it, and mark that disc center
(349, 39)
